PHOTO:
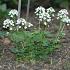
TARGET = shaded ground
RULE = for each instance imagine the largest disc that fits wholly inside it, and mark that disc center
(59, 60)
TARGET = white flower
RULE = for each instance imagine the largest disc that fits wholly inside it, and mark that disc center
(48, 26)
(29, 24)
(47, 17)
(7, 33)
(65, 20)
(63, 11)
(43, 15)
(19, 26)
(48, 20)
(7, 23)
(68, 24)
(40, 20)
(15, 24)
(40, 10)
(10, 28)
(63, 16)
(23, 24)
(21, 21)
(53, 15)
(50, 10)
(45, 23)
(13, 13)
(4, 27)
(18, 21)
(25, 27)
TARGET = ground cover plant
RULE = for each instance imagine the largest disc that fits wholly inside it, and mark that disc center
(35, 44)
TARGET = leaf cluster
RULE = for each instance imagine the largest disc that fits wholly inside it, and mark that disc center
(31, 45)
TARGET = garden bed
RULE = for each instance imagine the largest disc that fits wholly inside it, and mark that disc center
(58, 60)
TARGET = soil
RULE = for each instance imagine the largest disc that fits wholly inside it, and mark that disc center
(58, 60)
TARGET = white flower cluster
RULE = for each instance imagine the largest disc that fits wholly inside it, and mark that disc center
(66, 20)
(8, 24)
(51, 11)
(47, 17)
(23, 23)
(40, 11)
(13, 13)
(20, 23)
(15, 24)
(43, 14)
(63, 16)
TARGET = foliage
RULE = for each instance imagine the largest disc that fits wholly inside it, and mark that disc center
(2, 34)
(3, 15)
(13, 3)
(3, 12)
(31, 45)
(64, 3)
(36, 3)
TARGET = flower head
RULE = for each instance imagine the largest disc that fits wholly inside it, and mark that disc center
(66, 20)
(30, 25)
(44, 15)
(63, 16)
(8, 24)
(21, 21)
(40, 11)
(50, 10)
(13, 13)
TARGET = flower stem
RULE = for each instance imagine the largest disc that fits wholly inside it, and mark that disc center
(61, 28)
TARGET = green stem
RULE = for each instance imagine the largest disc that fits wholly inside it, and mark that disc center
(59, 30)
(62, 25)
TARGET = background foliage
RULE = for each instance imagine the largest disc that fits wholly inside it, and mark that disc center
(35, 3)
